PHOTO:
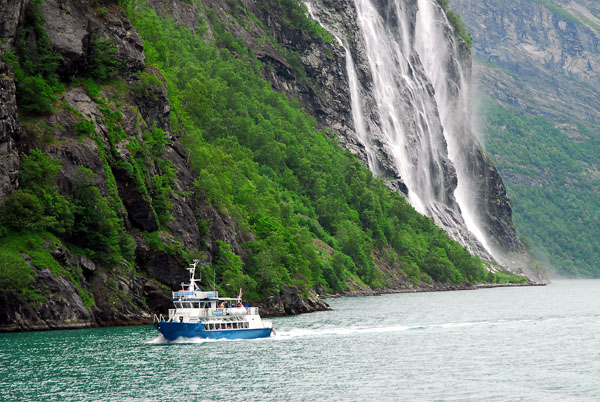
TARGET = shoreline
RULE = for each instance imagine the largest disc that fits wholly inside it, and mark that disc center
(428, 289)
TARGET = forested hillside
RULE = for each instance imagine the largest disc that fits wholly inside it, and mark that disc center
(132, 163)
(554, 183)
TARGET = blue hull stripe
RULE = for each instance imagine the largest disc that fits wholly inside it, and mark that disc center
(173, 330)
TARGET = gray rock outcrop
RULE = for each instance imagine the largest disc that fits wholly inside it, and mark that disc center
(9, 132)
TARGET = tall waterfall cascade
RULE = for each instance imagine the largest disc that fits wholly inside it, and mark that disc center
(411, 107)
(438, 53)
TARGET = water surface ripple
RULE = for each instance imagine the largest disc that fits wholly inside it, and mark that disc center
(525, 344)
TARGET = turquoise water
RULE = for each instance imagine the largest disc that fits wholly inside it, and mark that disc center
(536, 343)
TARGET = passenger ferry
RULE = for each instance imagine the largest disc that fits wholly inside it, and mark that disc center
(201, 314)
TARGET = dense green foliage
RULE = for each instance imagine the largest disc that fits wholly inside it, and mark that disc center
(319, 216)
(457, 23)
(102, 64)
(554, 183)
(85, 218)
(37, 205)
(32, 217)
(34, 63)
(22, 248)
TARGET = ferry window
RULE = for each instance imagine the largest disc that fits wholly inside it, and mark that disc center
(235, 325)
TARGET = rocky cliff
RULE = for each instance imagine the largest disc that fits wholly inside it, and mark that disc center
(541, 58)
(120, 296)
(340, 91)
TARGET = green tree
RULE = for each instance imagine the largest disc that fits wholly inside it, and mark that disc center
(22, 210)
(229, 267)
(97, 228)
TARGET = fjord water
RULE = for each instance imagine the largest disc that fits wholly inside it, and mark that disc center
(532, 343)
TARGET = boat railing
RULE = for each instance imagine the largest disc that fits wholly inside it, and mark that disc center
(236, 311)
(158, 318)
(204, 312)
(188, 294)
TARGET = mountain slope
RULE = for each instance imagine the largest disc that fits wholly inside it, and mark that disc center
(538, 62)
(159, 136)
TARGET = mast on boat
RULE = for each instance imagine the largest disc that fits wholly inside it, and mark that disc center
(192, 287)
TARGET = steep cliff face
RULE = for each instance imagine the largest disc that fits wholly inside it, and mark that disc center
(9, 132)
(119, 294)
(538, 63)
(404, 136)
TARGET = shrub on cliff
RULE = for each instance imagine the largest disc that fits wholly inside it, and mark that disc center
(34, 63)
(102, 59)
(457, 23)
(97, 228)
(22, 210)
(37, 204)
(85, 218)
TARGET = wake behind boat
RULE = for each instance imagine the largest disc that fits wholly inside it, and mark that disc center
(199, 314)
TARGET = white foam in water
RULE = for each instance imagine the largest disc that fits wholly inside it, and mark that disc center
(161, 340)
(311, 332)
(303, 332)
(157, 341)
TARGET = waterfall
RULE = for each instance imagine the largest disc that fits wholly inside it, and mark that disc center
(414, 142)
(439, 53)
(360, 125)
(411, 109)
(357, 110)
